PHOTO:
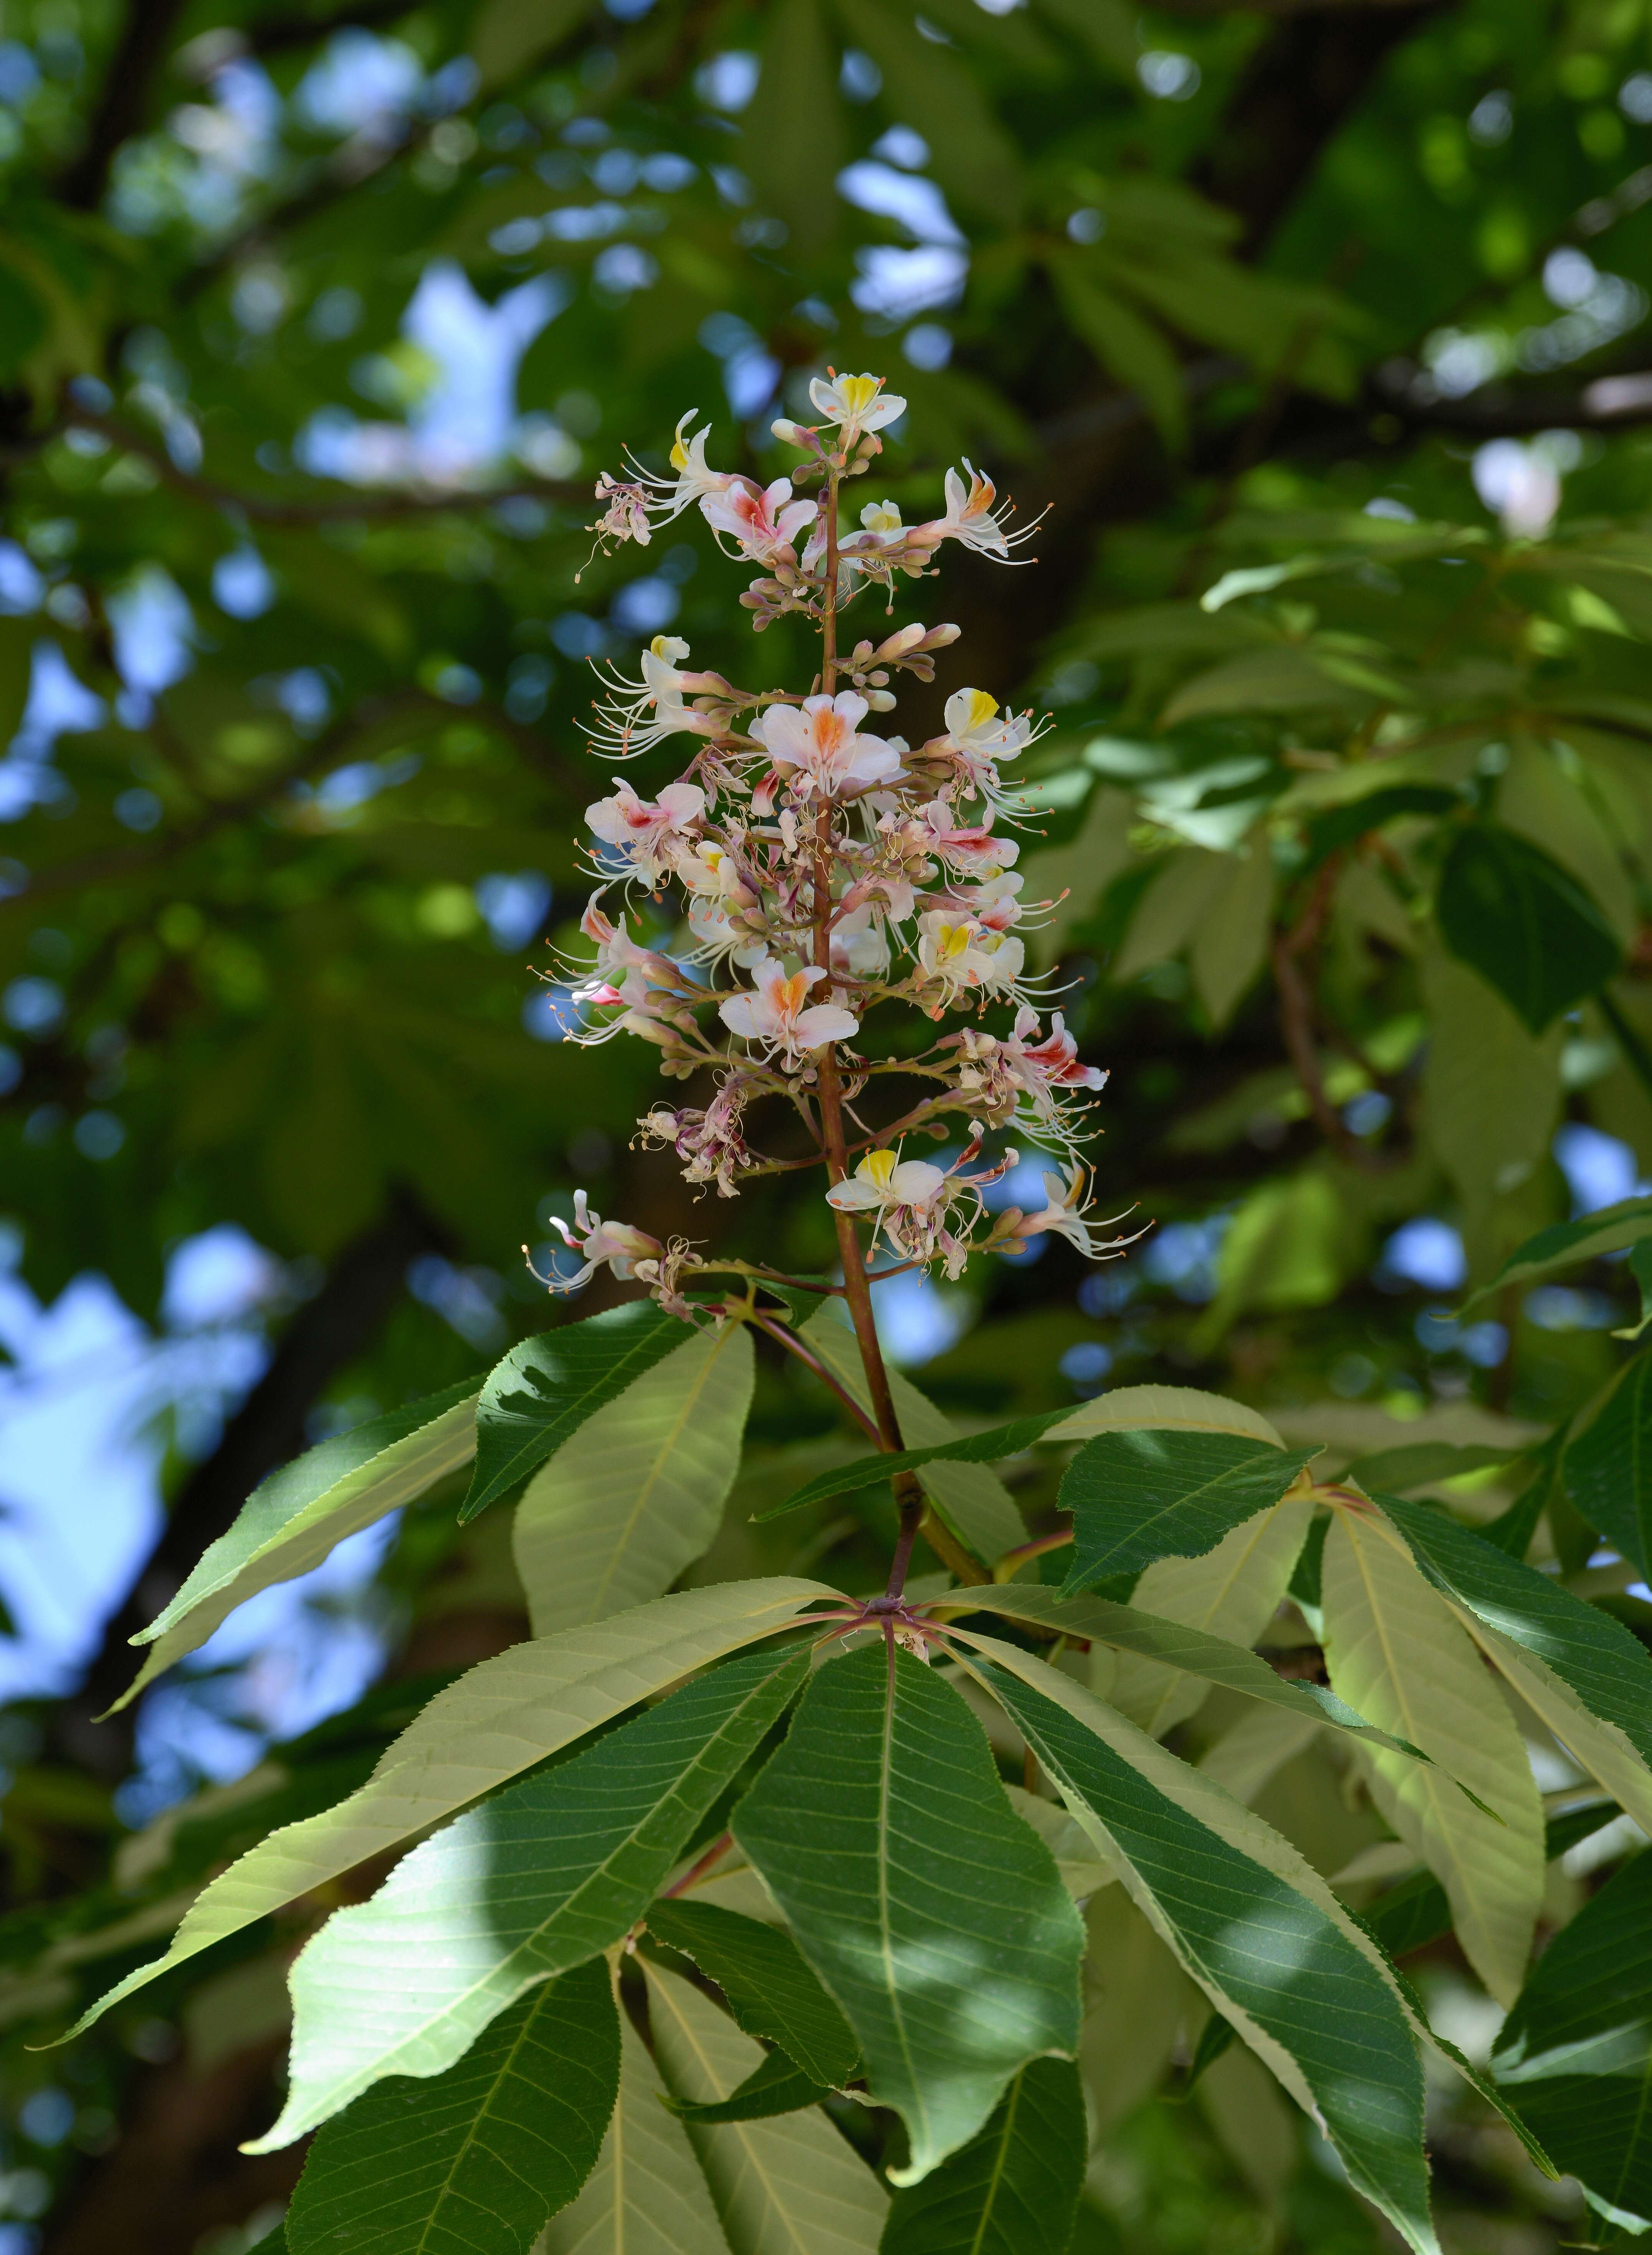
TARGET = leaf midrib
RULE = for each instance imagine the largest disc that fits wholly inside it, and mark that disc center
(660, 1460)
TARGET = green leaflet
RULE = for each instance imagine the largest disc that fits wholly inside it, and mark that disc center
(775, 2086)
(1232, 1591)
(933, 1913)
(546, 1387)
(539, 1878)
(975, 1502)
(497, 1720)
(1275, 1958)
(1512, 914)
(1392, 1643)
(1101, 1621)
(1152, 1493)
(1416, 1912)
(472, 2161)
(1014, 2190)
(1605, 1669)
(965, 1448)
(770, 1991)
(292, 1519)
(1575, 2054)
(788, 2185)
(637, 1494)
(1610, 1230)
(646, 2195)
(1608, 1468)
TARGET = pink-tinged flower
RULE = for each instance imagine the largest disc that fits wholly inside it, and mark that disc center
(955, 950)
(710, 1144)
(1064, 1216)
(971, 518)
(1052, 1062)
(651, 834)
(910, 1202)
(596, 1240)
(625, 517)
(778, 1014)
(650, 708)
(618, 956)
(855, 404)
(969, 850)
(816, 743)
(764, 522)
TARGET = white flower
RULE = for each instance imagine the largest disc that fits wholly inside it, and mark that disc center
(955, 950)
(971, 518)
(764, 522)
(910, 1201)
(817, 742)
(855, 404)
(883, 516)
(1064, 1216)
(596, 1240)
(652, 708)
(779, 1012)
(650, 833)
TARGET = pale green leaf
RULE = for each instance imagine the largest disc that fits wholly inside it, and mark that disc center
(637, 1494)
(1284, 680)
(973, 1502)
(1610, 1230)
(471, 2163)
(1169, 912)
(499, 1719)
(1251, 1923)
(646, 2195)
(793, 132)
(933, 1913)
(293, 1520)
(1587, 1677)
(1230, 944)
(1171, 1408)
(509, 35)
(1232, 1591)
(786, 2186)
(540, 1878)
(1393, 1648)
(1125, 343)
(1014, 2190)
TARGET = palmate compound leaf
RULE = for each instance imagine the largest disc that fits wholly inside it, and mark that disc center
(1587, 1677)
(292, 1521)
(935, 1917)
(1607, 1465)
(1014, 2190)
(546, 1387)
(637, 1494)
(1251, 1923)
(646, 2195)
(1575, 2054)
(1194, 1652)
(1151, 1493)
(471, 2161)
(791, 2186)
(1512, 914)
(1392, 1645)
(497, 1720)
(770, 1988)
(538, 1879)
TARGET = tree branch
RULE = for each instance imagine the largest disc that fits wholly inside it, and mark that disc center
(137, 57)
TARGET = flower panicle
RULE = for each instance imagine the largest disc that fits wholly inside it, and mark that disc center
(811, 872)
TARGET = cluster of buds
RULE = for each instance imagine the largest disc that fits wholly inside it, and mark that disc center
(824, 871)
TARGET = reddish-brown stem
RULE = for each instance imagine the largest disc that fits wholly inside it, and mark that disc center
(1005, 1568)
(794, 1345)
(699, 1868)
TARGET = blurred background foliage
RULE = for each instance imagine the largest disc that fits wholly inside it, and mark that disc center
(315, 326)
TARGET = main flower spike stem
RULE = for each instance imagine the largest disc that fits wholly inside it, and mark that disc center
(909, 1495)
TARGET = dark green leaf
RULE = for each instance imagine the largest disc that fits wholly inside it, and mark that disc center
(472, 2161)
(17, 658)
(537, 1879)
(1608, 1669)
(793, 131)
(770, 1991)
(1014, 2190)
(1565, 1243)
(1215, 2038)
(1150, 1492)
(1575, 2054)
(1608, 1468)
(934, 1915)
(967, 1449)
(23, 320)
(1523, 923)
(1340, 825)
(547, 1387)
(777, 2087)
(1260, 1948)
